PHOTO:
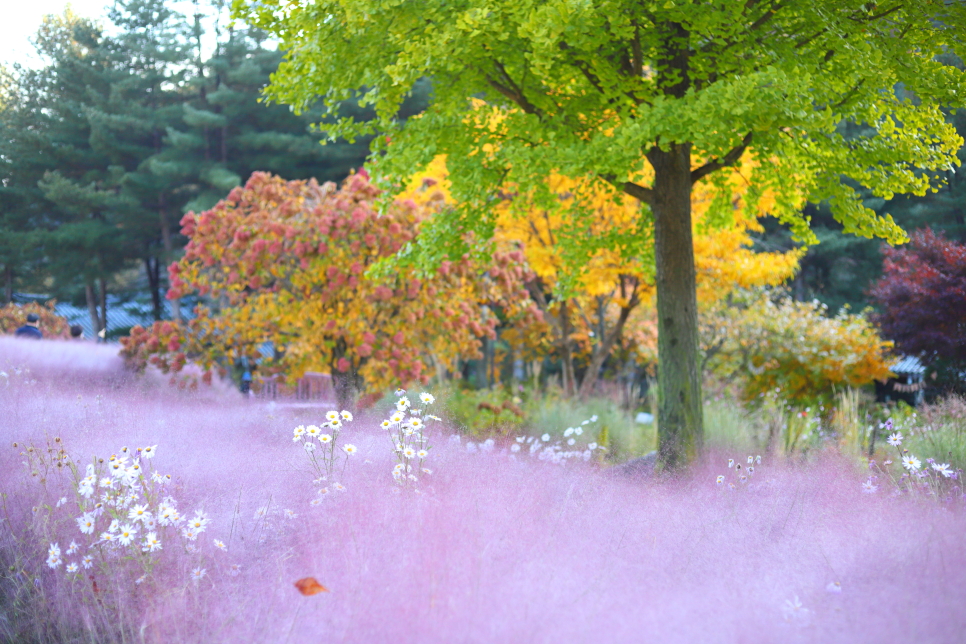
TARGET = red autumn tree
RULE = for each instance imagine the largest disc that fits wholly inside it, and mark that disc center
(922, 297)
(286, 263)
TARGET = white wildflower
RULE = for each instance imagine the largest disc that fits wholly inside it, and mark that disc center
(911, 463)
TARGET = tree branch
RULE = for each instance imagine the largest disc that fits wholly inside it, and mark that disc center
(640, 193)
(512, 91)
(716, 164)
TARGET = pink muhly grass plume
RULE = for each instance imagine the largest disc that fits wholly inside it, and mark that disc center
(494, 549)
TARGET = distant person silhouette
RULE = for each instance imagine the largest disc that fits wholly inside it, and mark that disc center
(76, 332)
(30, 329)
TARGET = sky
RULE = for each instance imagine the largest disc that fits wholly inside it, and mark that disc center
(22, 17)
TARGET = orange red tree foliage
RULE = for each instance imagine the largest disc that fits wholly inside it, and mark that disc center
(283, 265)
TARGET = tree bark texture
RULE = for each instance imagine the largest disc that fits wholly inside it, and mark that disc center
(103, 320)
(92, 307)
(168, 250)
(7, 284)
(152, 270)
(680, 414)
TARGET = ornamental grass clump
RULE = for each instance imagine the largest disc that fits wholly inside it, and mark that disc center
(496, 549)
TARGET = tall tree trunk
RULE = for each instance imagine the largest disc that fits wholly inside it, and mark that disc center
(154, 283)
(168, 250)
(92, 306)
(103, 285)
(680, 414)
(7, 284)
(566, 351)
(346, 388)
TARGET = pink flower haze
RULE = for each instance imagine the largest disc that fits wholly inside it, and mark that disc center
(495, 547)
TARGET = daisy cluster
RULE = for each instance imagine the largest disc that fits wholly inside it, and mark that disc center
(572, 446)
(739, 475)
(406, 428)
(934, 479)
(124, 513)
(320, 443)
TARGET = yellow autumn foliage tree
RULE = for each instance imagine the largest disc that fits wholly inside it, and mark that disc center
(591, 262)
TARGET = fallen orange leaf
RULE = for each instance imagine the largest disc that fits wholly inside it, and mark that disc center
(310, 586)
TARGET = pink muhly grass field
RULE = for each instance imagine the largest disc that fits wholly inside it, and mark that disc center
(495, 549)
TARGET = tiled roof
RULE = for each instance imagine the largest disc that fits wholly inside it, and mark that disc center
(908, 365)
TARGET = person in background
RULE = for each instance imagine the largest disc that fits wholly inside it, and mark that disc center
(76, 332)
(31, 329)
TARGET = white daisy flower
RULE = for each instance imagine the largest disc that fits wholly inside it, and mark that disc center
(397, 417)
(911, 463)
(197, 574)
(571, 441)
(290, 514)
(335, 424)
(126, 535)
(220, 545)
(402, 404)
(309, 447)
(415, 423)
(315, 501)
(427, 471)
(400, 392)
(834, 587)
(346, 416)
(312, 431)
(86, 523)
(719, 480)
(339, 487)
(151, 543)
(157, 478)
(189, 533)
(427, 399)
(71, 568)
(149, 452)
(731, 463)
(72, 548)
(140, 580)
(331, 415)
(349, 449)
(298, 433)
(592, 445)
(87, 561)
(234, 570)
(515, 447)
(431, 417)
(422, 453)
(586, 422)
(408, 452)
(869, 487)
(545, 438)
(895, 439)
(593, 418)
(139, 513)
(325, 439)
(323, 491)
(198, 521)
